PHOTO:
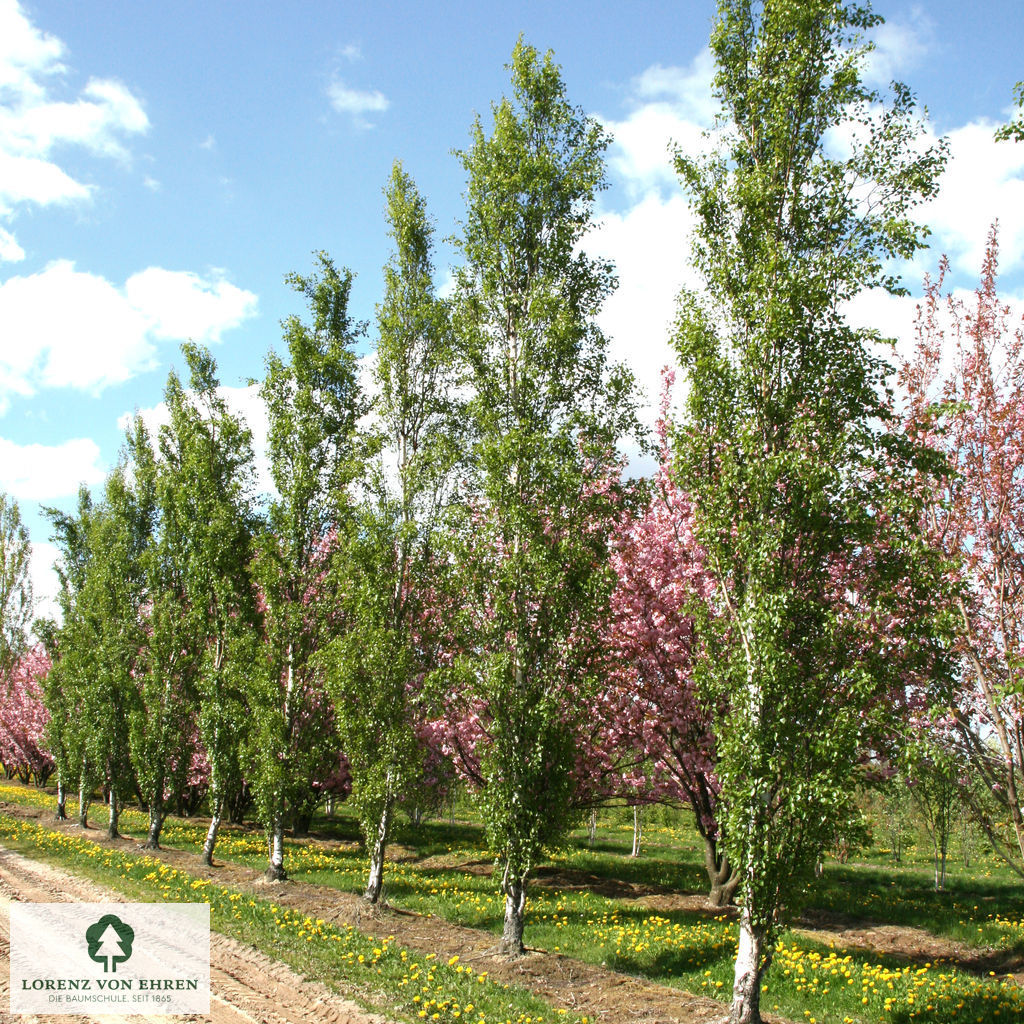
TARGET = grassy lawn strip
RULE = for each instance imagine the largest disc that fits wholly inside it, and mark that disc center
(808, 981)
(378, 973)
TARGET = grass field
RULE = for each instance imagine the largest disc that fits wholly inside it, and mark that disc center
(443, 869)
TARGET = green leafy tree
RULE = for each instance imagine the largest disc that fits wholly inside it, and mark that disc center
(377, 667)
(545, 411)
(16, 605)
(313, 404)
(201, 598)
(1013, 131)
(101, 642)
(64, 734)
(804, 491)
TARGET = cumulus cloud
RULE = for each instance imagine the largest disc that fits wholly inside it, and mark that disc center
(34, 123)
(77, 330)
(900, 45)
(39, 472)
(355, 102)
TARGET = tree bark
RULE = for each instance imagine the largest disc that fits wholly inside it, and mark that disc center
(724, 880)
(375, 881)
(275, 869)
(515, 916)
(156, 824)
(751, 963)
(592, 827)
(211, 834)
(115, 813)
(83, 807)
(61, 814)
(637, 830)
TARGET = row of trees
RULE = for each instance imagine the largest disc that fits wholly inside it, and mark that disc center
(452, 568)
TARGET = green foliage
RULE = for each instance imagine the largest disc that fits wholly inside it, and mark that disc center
(545, 412)
(803, 486)
(92, 693)
(313, 405)
(1013, 131)
(377, 667)
(15, 585)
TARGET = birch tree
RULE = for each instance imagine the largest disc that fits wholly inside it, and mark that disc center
(313, 404)
(545, 411)
(16, 607)
(802, 486)
(378, 666)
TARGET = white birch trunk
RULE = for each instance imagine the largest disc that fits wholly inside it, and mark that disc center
(115, 813)
(746, 989)
(637, 829)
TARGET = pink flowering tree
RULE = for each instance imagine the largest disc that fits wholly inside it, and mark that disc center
(970, 359)
(660, 572)
(23, 718)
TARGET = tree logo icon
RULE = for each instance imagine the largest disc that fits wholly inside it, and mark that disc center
(110, 942)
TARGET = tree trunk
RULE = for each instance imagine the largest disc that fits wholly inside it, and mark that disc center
(156, 824)
(375, 882)
(115, 813)
(515, 915)
(592, 827)
(62, 814)
(637, 829)
(723, 879)
(329, 805)
(211, 834)
(83, 807)
(275, 869)
(751, 962)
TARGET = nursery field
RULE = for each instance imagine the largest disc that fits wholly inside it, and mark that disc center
(610, 937)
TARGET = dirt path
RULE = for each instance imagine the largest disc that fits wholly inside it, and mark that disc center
(246, 986)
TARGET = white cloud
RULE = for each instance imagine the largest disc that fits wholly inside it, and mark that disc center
(39, 472)
(352, 52)
(355, 102)
(208, 143)
(10, 251)
(45, 585)
(33, 123)
(77, 330)
(671, 107)
(984, 180)
(178, 304)
(900, 46)
(649, 245)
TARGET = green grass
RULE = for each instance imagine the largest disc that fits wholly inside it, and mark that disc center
(808, 980)
(378, 972)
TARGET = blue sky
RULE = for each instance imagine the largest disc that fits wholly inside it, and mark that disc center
(162, 166)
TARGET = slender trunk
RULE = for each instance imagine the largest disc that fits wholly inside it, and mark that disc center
(751, 963)
(211, 834)
(515, 915)
(115, 813)
(375, 882)
(156, 824)
(724, 880)
(592, 827)
(83, 800)
(637, 829)
(156, 817)
(275, 869)
(329, 805)
(62, 814)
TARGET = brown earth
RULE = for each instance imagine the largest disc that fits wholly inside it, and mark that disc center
(604, 995)
(247, 987)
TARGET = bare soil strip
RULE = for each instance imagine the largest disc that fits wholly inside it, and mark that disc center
(247, 987)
